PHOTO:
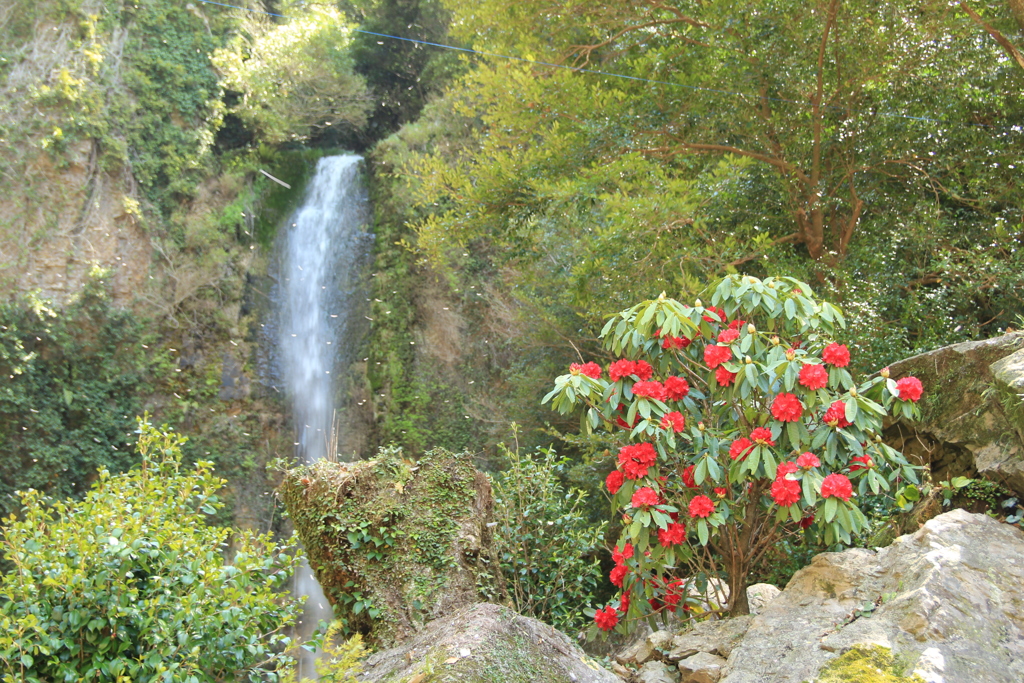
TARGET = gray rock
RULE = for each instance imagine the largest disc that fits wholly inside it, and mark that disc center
(501, 646)
(714, 637)
(759, 595)
(650, 649)
(966, 428)
(701, 668)
(657, 672)
(949, 597)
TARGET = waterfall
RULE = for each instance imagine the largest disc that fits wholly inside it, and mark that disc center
(323, 250)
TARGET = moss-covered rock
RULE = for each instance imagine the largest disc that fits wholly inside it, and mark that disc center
(866, 664)
(971, 412)
(394, 543)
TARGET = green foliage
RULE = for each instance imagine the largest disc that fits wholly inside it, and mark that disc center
(69, 391)
(756, 431)
(339, 659)
(130, 583)
(296, 76)
(546, 545)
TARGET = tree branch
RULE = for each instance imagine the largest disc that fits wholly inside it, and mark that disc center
(999, 37)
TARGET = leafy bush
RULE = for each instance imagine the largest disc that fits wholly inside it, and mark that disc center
(756, 430)
(339, 661)
(546, 545)
(132, 584)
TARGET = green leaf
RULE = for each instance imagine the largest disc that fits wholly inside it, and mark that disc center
(702, 531)
(830, 509)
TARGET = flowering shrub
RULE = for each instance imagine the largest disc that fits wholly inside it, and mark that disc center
(738, 424)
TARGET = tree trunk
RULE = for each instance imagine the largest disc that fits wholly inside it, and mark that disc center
(1017, 10)
(738, 588)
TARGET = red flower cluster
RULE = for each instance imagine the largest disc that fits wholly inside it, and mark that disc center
(636, 459)
(618, 574)
(836, 486)
(674, 421)
(808, 460)
(737, 324)
(787, 408)
(606, 619)
(592, 370)
(676, 388)
(701, 506)
(624, 368)
(740, 448)
(620, 555)
(673, 594)
(645, 496)
(785, 468)
(655, 390)
(721, 491)
(670, 343)
(785, 492)
(814, 376)
(614, 481)
(836, 355)
(728, 336)
(762, 436)
(715, 355)
(909, 389)
(724, 377)
(864, 462)
(688, 480)
(673, 534)
(835, 416)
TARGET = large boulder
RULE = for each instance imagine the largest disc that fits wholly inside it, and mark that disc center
(972, 413)
(394, 543)
(948, 601)
(486, 643)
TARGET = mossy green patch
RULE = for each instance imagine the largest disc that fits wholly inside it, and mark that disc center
(867, 664)
(393, 542)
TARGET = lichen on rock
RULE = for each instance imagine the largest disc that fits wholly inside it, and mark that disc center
(394, 543)
(867, 664)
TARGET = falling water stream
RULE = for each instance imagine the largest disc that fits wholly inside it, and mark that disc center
(323, 250)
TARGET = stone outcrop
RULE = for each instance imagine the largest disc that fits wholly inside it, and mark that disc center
(948, 600)
(486, 643)
(972, 412)
(394, 543)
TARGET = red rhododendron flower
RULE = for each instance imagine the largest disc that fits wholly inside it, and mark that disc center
(592, 370)
(728, 336)
(674, 421)
(787, 408)
(785, 492)
(740, 447)
(655, 390)
(715, 355)
(785, 468)
(762, 436)
(620, 369)
(643, 370)
(618, 574)
(645, 496)
(673, 534)
(620, 555)
(718, 311)
(836, 355)
(606, 619)
(814, 376)
(676, 388)
(808, 460)
(724, 377)
(701, 506)
(806, 521)
(863, 462)
(673, 594)
(671, 343)
(614, 481)
(909, 389)
(636, 459)
(835, 416)
(688, 480)
(737, 324)
(836, 486)
(720, 492)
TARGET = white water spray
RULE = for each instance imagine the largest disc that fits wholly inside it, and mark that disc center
(324, 248)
